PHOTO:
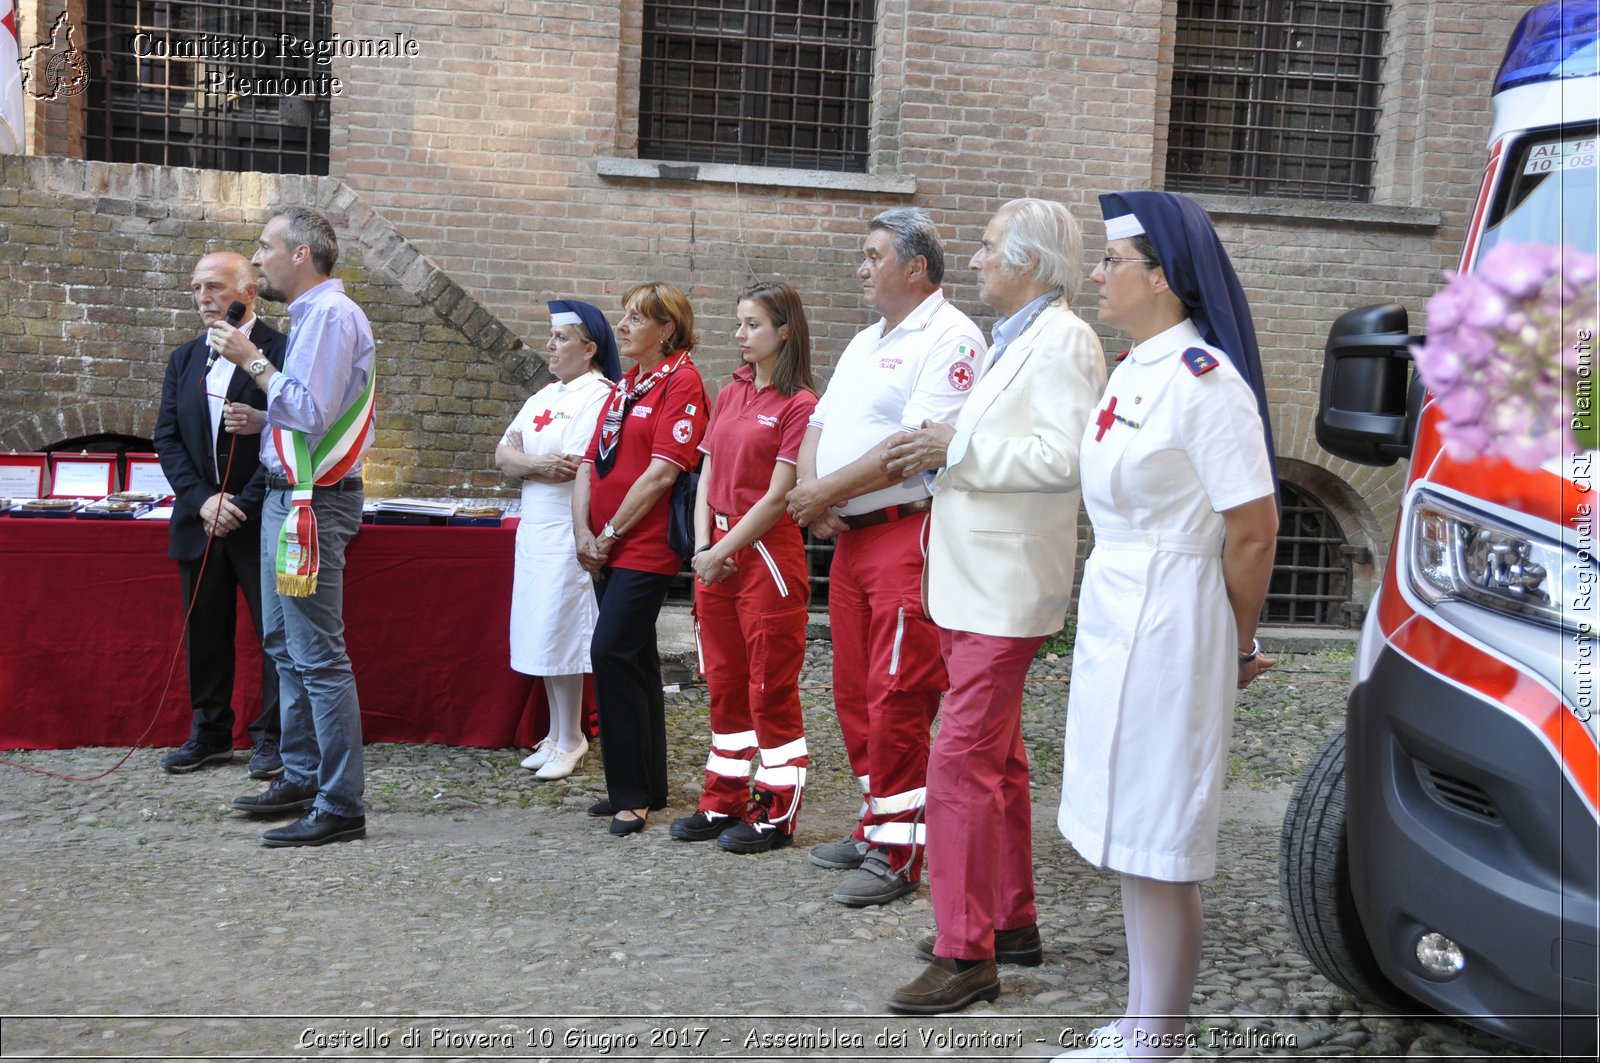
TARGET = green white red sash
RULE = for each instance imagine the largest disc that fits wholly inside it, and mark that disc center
(307, 469)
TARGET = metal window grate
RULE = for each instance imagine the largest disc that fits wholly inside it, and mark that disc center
(1311, 572)
(1276, 97)
(216, 84)
(757, 82)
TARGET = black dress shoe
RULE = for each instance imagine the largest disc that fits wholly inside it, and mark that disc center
(281, 796)
(602, 807)
(317, 828)
(620, 826)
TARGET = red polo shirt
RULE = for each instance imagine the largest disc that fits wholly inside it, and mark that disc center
(751, 430)
(667, 423)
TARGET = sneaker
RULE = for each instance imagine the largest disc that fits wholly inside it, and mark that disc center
(265, 763)
(843, 855)
(562, 762)
(193, 755)
(541, 753)
(754, 834)
(873, 883)
(701, 827)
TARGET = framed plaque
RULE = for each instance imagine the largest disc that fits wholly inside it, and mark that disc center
(82, 475)
(22, 475)
(144, 476)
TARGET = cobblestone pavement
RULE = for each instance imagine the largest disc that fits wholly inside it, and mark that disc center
(486, 916)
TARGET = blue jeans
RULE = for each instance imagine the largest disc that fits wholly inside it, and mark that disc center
(321, 744)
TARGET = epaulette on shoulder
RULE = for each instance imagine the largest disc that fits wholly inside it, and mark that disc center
(1199, 360)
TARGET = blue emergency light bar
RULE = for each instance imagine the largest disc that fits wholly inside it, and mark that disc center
(1553, 42)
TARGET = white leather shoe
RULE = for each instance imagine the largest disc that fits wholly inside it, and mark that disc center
(562, 761)
(541, 753)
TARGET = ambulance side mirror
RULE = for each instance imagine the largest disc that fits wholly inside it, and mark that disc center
(1368, 407)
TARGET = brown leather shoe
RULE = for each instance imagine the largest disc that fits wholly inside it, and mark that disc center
(940, 988)
(1020, 946)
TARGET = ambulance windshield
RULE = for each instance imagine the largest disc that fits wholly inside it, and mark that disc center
(1551, 196)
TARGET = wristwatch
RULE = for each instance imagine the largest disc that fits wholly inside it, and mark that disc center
(257, 367)
(610, 530)
(1255, 651)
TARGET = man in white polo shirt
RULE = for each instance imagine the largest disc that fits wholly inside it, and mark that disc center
(916, 365)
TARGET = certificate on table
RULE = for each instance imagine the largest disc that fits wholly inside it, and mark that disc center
(21, 475)
(83, 475)
(145, 476)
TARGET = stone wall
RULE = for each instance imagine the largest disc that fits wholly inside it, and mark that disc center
(95, 260)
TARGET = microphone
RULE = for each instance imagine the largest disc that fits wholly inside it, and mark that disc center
(235, 315)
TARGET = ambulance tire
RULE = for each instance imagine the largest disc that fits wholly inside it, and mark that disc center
(1314, 884)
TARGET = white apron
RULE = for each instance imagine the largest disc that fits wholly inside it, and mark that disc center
(552, 598)
(1154, 672)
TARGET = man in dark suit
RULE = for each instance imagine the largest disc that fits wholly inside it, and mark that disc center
(197, 451)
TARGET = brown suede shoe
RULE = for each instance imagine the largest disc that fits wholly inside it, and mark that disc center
(940, 988)
(1020, 946)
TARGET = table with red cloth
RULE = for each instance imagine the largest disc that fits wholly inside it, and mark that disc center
(90, 619)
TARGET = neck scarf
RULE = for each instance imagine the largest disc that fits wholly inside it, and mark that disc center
(622, 400)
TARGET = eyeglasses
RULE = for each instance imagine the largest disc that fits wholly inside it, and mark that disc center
(1111, 260)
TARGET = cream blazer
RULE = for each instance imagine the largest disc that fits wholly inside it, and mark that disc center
(1002, 543)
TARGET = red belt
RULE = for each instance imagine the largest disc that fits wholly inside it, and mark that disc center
(887, 515)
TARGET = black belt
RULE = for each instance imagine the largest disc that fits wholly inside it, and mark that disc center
(281, 483)
(887, 514)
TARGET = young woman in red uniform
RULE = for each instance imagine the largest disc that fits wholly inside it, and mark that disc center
(750, 564)
(649, 432)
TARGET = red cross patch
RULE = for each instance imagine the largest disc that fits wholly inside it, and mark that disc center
(961, 376)
(541, 422)
(682, 430)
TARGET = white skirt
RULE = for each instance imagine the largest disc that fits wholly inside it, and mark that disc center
(552, 600)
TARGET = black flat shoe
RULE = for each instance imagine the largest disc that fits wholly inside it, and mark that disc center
(602, 807)
(620, 826)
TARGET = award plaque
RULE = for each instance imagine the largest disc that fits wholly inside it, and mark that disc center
(143, 473)
(22, 475)
(82, 475)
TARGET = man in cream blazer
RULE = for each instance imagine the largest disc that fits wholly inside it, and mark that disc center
(1001, 552)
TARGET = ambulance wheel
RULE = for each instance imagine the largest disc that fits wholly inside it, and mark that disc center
(1314, 883)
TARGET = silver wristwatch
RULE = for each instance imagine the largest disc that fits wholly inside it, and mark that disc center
(257, 367)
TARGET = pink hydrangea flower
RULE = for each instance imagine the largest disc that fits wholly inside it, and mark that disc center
(1500, 358)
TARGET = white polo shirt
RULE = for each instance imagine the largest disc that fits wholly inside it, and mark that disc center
(923, 370)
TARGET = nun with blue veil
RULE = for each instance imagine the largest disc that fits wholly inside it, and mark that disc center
(552, 598)
(1179, 482)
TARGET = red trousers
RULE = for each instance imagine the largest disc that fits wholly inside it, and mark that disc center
(888, 676)
(979, 808)
(751, 630)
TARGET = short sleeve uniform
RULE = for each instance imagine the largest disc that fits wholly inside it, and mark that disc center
(751, 430)
(552, 597)
(1154, 670)
(922, 369)
(667, 423)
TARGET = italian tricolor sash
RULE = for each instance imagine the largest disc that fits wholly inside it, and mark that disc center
(306, 470)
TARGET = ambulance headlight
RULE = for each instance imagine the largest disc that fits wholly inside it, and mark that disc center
(1458, 553)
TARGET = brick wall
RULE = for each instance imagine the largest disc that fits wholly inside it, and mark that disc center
(95, 260)
(501, 154)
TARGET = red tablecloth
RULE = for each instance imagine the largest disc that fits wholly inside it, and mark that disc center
(90, 617)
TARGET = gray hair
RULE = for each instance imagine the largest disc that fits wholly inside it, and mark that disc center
(914, 235)
(312, 228)
(1044, 235)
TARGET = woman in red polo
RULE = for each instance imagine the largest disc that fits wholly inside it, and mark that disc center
(750, 564)
(648, 434)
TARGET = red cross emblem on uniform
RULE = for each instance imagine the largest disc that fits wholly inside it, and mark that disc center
(541, 421)
(961, 376)
(1107, 417)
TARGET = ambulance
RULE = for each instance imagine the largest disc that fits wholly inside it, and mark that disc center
(1440, 853)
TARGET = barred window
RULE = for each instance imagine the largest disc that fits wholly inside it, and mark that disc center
(1276, 97)
(757, 82)
(216, 84)
(1311, 574)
